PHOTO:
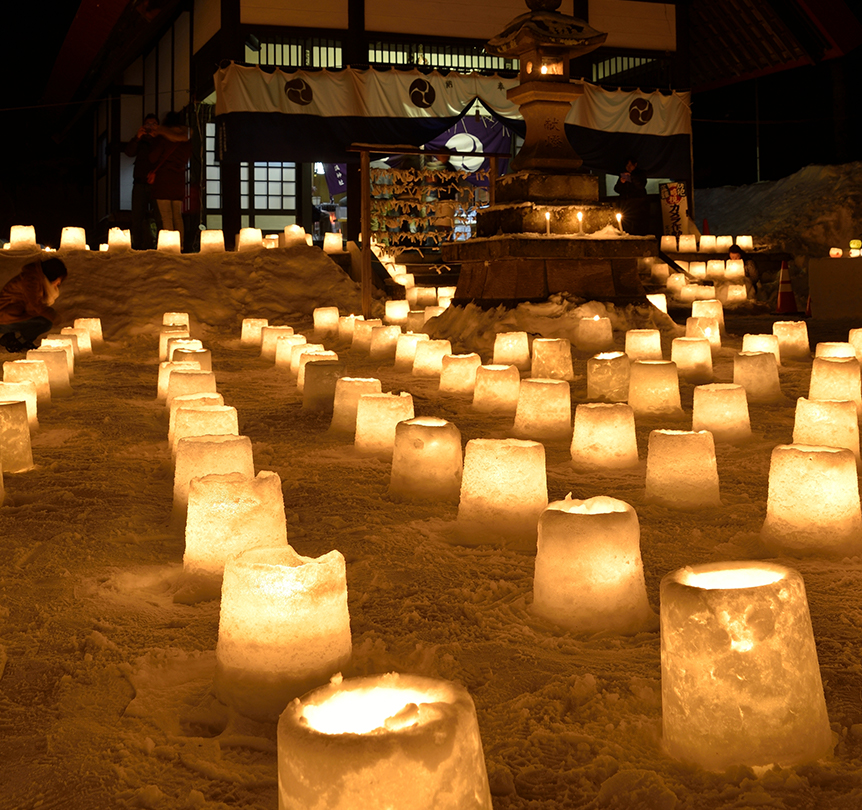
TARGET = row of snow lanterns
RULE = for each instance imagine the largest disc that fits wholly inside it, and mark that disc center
(707, 243)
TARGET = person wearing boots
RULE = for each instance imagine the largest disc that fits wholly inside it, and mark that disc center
(26, 304)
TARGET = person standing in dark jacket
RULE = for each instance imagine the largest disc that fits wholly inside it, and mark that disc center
(633, 198)
(168, 158)
(139, 148)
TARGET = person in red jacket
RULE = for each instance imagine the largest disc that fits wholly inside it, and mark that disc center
(168, 160)
(25, 304)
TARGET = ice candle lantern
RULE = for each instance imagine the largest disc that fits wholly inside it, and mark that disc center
(709, 308)
(608, 377)
(250, 239)
(552, 359)
(654, 388)
(792, 339)
(402, 742)
(72, 238)
(15, 453)
(681, 472)
(544, 410)
(57, 363)
(25, 392)
(169, 241)
(829, 348)
(854, 337)
(705, 327)
(687, 243)
(346, 327)
(512, 349)
(189, 400)
(318, 390)
(165, 334)
(297, 350)
(346, 399)
(458, 373)
(496, 389)
(384, 342)
(426, 460)
(668, 243)
(35, 371)
(85, 345)
(740, 680)
(504, 489)
(284, 628)
(722, 409)
(405, 349)
(311, 357)
(203, 420)
(362, 334)
(284, 349)
(428, 360)
(325, 322)
(119, 240)
(396, 311)
(94, 327)
(198, 456)
(212, 241)
(268, 336)
(376, 418)
(595, 334)
(589, 573)
(757, 373)
(203, 357)
(693, 358)
(762, 343)
(836, 378)
(604, 436)
(176, 343)
(251, 331)
(826, 422)
(643, 344)
(812, 505)
(333, 243)
(421, 297)
(189, 381)
(707, 243)
(166, 369)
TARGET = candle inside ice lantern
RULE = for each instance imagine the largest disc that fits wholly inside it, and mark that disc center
(547, 223)
(580, 216)
(619, 217)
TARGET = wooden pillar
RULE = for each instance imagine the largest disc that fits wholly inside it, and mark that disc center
(365, 183)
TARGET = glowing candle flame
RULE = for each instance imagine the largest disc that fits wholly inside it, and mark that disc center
(619, 219)
(544, 69)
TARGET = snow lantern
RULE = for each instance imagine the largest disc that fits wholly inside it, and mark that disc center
(192, 400)
(268, 336)
(57, 363)
(181, 343)
(403, 742)
(512, 349)
(544, 410)
(705, 327)
(426, 460)
(405, 349)
(15, 453)
(589, 573)
(762, 343)
(715, 269)
(396, 311)
(745, 242)
(35, 371)
(825, 422)
(325, 322)
(446, 292)
(347, 393)
(696, 292)
(668, 243)
(723, 243)
(604, 436)
(504, 489)
(608, 377)
(681, 472)
(229, 514)
(675, 283)
(73, 239)
(294, 236)
(189, 381)
(24, 391)
(687, 243)
(421, 297)
(362, 334)
(203, 357)
(212, 241)
(654, 388)
(415, 320)
(376, 418)
(854, 338)
(496, 389)
(643, 344)
(83, 337)
(722, 409)
(119, 240)
(697, 270)
(297, 350)
(22, 237)
(552, 359)
(792, 339)
(835, 378)
(734, 270)
(166, 369)
(757, 373)
(93, 326)
(659, 272)
(709, 308)
(659, 301)
(693, 358)
(594, 334)
(740, 680)
(284, 349)
(63, 346)
(707, 243)
(432, 312)
(318, 390)
(169, 241)
(458, 373)
(406, 280)
(428, 361)
(203, 420)
(283, 629)
(251, 331)
(384, 341)
(165, 334)
(311, 357)
(812, 506)
(346, 326)
(250, 239)
(333, 243)
(834, 349)
(198, 456)
(733, 293)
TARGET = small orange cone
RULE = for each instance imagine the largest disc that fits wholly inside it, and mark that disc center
(786, 298)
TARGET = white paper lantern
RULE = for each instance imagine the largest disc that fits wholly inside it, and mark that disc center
(94, 327)
(192, 400)
(792, 339)
(376, 418)
(757, 373)
(119, 240)
(643, 344)
(688, 243)
(24, 391)
(654, 388)
(740, 680)
(504, 490)
(834, 349)
(165, 334)
(73, 239)
(396, 311)
(198, 456)
(284, 349)
(608, 377)
(828, 423)
(166, 369)
(681, 471)
(604, 437)
(212, 241)
(762, 343)
(348, 390)
(428, 360)
(813, 502)
(552, 359)
(251, 331)
(284, 628)
(268, 336)
(668, 243)
(15, 453)
(384, 341)
(189, 381)
(35, 371)
(305, 358)
(57, 363)
(320, 378)
(203, 420)
(402, 742)
(836, 378)
(589, 572)
(325, 322)
(250, 239)
(693, 358)
(362, 334)
(458, 373)
(595, 334)
(169, 241)
(405, 349)
(722, 409)
(496, 389)
(512, 349)
(426, 460)
(544, 410)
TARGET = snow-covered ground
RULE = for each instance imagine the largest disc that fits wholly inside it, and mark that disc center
(105, 680)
